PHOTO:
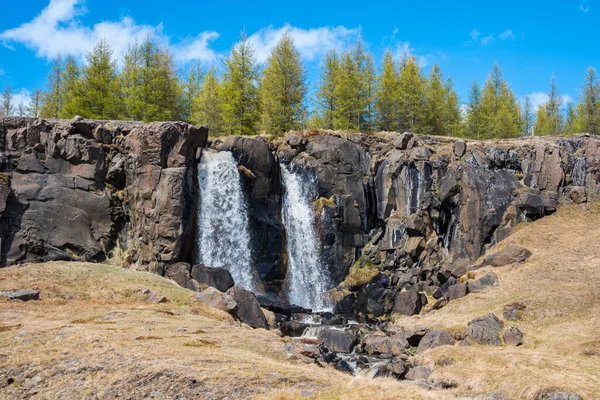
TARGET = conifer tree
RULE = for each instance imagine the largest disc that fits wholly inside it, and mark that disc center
(35, 104)
(71, 89)
(283, 87)
(411, 86)
(52, 97)
(590, 103)
(386, 99)
(527, 116)
(208, 104)
(348, 111)
(553, 110)
(571, 120)
(21, 110)
(240, 90)
(453, 123)
(435, 95)
(500, 110)
(6, 102)
(326, 100)
(190, 90)
(99, 98)
(474, 123)
(365, 70)
(542, 123)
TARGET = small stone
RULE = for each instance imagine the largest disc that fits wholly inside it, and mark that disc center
(23, 295)
(513, 337)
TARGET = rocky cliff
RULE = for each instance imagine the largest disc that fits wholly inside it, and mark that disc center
(415, 212)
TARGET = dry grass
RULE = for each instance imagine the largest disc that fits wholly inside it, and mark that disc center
(559, 286)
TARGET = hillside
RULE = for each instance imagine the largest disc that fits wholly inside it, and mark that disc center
(94, 334)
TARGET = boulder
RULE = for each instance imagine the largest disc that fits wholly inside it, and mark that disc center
(219, 278)
(486, 330)
(217, 299)
(293, 328)
(401, 140)
(509, 254)
(22, 294)
(344, 366)
(270, 317)
(345, 305)
(435, 338)
(395, 345)
(179, 272)
(459, 148)
(337, 340)
(488, 280)
(513, 337)
(417, 373)
(407, 303)
(248, 309)
(456, 291)
(420, 154)
(275, 304)
(396, 368)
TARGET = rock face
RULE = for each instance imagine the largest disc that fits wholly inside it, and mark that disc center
(76, 189)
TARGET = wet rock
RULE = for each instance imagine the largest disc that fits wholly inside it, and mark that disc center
(337, 340)
(513, 337)
(486, 330)
(488, 280)
(395, 345)
(407, 303)
(509, 254)
(416, 373)
(248, 310)
(514, 311)
(459, 148)
(219, 278)
(331, 319)
(22, 294)
(293, 328)
(435, 338)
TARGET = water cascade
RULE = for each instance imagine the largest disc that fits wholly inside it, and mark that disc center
(223, 240)
(307, 278)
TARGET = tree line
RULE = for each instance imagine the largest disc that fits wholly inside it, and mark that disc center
(243, 97)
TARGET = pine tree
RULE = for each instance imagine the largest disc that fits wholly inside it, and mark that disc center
(151, 89)
(386, 99)
(35, 104)
(474, 123)
(6, 101)
(453, 123)
(553, 109)
(208, 104)
(527, 116)
(99, 97)
(411, 88)
(326, 100)
(241, 98)
(52, 98)
(500, 111)
(590, 102)
(365, 70)
(191, 88)
(283, 87)
(71, 90)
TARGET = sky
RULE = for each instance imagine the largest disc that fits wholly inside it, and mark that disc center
(531, 40)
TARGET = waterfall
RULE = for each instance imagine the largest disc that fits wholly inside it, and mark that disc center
(413, 186)
(307, 278)
(222, 236)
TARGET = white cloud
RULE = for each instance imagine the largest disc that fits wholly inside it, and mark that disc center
(311, 43)
(507, 34)
(584, 6)
(487, 40)
(423, 60)
(57, 30)
(474, 34)
(540, 98)
(197, 49)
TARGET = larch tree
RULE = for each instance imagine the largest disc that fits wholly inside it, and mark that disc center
(208, 104)
(542, 123)
(6, 102)
(435, 97)
(191, 88)
(348, 111)
(35, 104)
(99, 97)
(411, 94)
(71, 90)
(325, 98)
(501, 114)
(365, 69)
(554, 110)
(386, 98)
(52, 97)
(283, 88)
(590, 103)
(474, 121)
(240, 90)
(452, 115)
(527, 116)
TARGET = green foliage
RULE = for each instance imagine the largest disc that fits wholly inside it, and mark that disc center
(474, 122)
(412, 113)
(6, 102)
(190, 90)
(283, 87)
(35, 105)
(326, 95)
(443, 110)
(241, 105)
(208, 104)
(386, 98)
(589, 112)
(550, 121)
(71, 89)
(53, 97)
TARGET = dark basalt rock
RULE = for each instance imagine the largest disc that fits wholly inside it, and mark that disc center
(248, 309)
(486, 330)
(488, 280)
(435, 338)
(508, 254)
(337, 340)
(513, 337)
(407, 303)
(293, 328)
(22, 294)
(219, 278)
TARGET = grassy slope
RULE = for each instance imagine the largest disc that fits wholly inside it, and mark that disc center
(94, 336)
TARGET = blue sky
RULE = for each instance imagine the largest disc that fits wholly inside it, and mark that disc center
(530, 39)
